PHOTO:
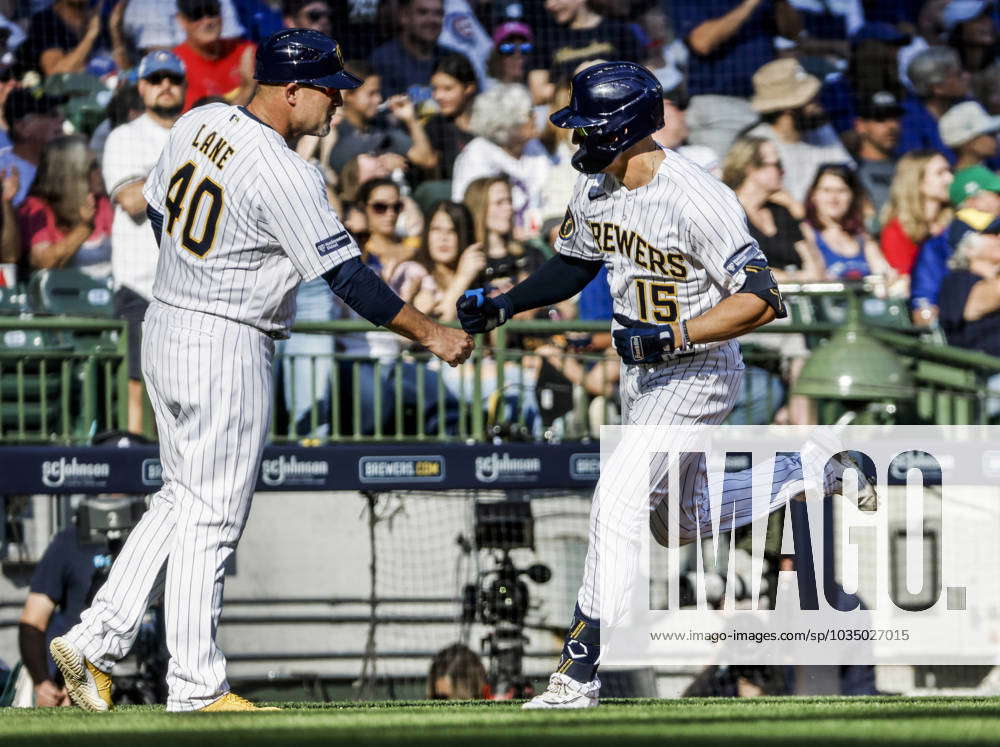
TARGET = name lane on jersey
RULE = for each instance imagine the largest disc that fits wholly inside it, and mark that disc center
(214, 146)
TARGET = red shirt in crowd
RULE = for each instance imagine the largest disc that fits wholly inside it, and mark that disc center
(38, 226)
(899, 249)
(212, 77)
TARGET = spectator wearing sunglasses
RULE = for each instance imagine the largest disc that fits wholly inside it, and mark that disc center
(576, 33)
(215, 66)
(154, 24)
(73, 36)
(453, 88)
(878, 130)
(130, 153)
(753, 170)
(513, 49)
(308, 14)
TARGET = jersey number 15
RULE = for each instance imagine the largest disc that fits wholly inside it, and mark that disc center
(207, 192)
(656, 302)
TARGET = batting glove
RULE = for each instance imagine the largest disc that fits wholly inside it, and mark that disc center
(479, 313)
(642, 342)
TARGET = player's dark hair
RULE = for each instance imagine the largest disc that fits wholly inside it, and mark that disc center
(458, 67)
(461, 221)
(853, 221)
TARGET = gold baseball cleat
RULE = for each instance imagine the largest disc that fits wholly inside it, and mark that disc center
(232, 702)
(88, 686)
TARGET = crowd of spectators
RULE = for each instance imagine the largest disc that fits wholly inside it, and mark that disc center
(860, 137)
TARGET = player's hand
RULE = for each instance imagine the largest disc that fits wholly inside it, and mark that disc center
(47, 695)
(478, 313)
(451, 345)
(642, 342)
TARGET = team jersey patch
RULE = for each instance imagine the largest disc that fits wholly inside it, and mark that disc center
(739, 259)
(568, 227)
(333, 243)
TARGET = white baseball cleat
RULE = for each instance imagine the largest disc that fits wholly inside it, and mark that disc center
(565, 692)
(88, 686)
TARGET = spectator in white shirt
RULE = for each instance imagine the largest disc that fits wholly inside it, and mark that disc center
(130, 153)
(505, 145)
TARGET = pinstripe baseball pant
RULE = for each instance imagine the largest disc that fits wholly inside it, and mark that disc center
(700, 389)
(209, 380)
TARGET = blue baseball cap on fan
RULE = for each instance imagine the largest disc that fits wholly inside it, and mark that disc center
(161, 61)
(960, 11)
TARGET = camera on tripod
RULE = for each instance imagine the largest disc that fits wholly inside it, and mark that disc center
(500, 597)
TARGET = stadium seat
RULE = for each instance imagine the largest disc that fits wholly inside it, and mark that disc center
(70, 292)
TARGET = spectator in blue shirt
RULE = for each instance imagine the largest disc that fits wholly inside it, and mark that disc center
(32, 122)
(939, 83)
(728, 41)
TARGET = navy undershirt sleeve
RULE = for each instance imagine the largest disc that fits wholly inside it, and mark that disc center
(561, 277)
(364, 291)
(156, 221)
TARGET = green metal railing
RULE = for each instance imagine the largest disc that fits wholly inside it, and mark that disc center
(63, 379)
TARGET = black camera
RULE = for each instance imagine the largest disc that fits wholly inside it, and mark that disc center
(500, 598)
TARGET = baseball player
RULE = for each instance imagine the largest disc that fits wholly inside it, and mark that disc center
(240, 220)
(686, 280)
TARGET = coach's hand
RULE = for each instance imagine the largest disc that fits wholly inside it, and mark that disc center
(478, 313)
(642, 342)
(451, 345)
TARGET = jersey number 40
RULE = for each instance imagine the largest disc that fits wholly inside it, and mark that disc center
(203, 209)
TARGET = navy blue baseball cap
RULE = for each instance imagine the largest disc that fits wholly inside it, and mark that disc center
(161, 61)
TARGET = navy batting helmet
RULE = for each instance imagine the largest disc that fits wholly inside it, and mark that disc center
(613, 105)
(302, 56)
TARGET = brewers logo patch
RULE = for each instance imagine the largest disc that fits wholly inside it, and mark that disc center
(568, 227)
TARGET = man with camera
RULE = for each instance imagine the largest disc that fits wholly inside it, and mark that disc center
(74, 565)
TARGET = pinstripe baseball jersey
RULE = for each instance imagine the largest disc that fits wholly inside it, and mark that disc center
(245, 219)
(674, 248)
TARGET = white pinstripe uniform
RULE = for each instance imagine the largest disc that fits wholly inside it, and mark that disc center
(245, 220)
(674, 248)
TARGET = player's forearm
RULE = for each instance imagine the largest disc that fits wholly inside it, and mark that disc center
(413, 325)
(733, 316)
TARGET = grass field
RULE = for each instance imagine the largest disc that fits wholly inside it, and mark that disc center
(808, 722)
